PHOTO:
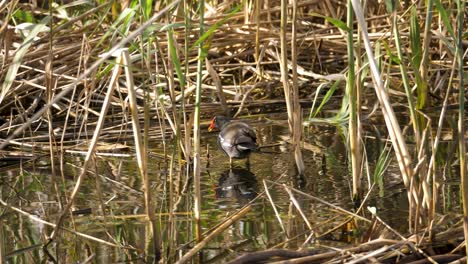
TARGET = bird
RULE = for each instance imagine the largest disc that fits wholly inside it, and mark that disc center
(236, 138)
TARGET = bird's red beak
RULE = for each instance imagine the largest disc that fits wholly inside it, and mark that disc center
(212, 126)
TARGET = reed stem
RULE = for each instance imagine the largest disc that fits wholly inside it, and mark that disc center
(461, 113)
(354, 140)
(196, 128)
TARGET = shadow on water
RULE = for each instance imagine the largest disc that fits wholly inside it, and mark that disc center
(110, 204)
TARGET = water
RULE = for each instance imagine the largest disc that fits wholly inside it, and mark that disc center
(110, 203)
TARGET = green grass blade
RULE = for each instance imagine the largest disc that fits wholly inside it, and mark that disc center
(416, 50)
(445, 18)
(415, 38)
(147, 7)
(212, 29)
(380, 167)
(120, 26)
(336, 22)
(326, 98)
(175, 58)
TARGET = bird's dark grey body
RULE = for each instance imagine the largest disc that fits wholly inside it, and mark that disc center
(237, 139)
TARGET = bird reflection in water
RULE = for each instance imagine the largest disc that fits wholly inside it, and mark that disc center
(237, 184)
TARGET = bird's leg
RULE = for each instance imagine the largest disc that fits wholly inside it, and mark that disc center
(247, 163)
(230, 162)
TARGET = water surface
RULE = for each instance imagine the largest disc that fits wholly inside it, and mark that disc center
(110, 203)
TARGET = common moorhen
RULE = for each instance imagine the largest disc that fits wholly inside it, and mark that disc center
(236, 139)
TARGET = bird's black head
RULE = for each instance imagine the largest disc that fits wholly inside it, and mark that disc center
(218, 122)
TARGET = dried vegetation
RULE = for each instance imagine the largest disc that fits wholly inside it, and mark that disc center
(62, 66)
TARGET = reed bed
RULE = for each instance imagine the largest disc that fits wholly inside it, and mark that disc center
(111, 78)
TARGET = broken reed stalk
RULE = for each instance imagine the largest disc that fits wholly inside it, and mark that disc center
(69, 111)
(196, 130)
(171, 226)
(275, 209)
(51, 84)
(422, 196)
(291, 92)
(406, 84)
(431, 174)
(297, 110)
(398, 141)
(227, 223)
(339, 209)
(176, 149)
(174, 64)
(336, 256)
(298, 207)
(354, 139)
(141, 150)
(91, 149)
